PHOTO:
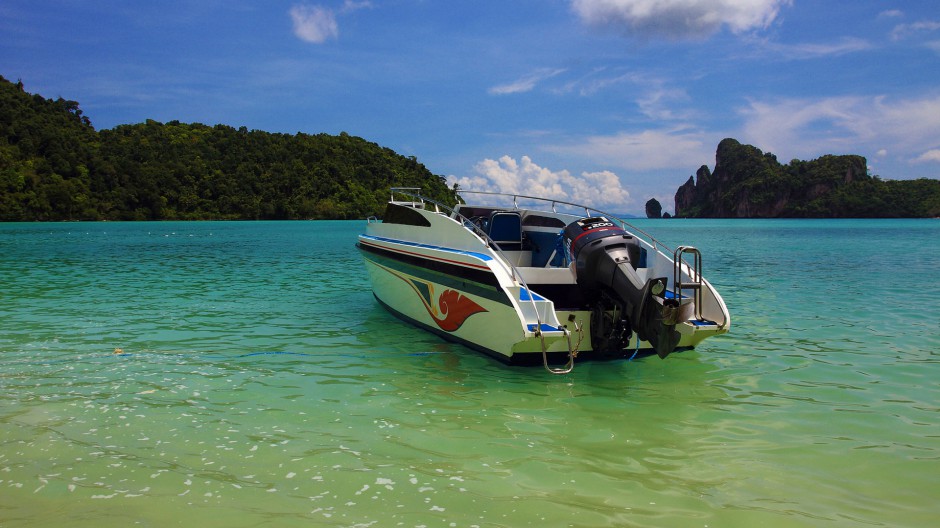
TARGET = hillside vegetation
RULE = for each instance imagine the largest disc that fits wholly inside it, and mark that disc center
(748, 183)
(55, 166)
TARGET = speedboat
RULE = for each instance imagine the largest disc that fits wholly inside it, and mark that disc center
(531, 280)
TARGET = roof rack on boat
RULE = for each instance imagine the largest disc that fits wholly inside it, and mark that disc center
(588, 211)
(417, 200)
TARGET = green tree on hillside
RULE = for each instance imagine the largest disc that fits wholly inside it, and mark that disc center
(55, 166)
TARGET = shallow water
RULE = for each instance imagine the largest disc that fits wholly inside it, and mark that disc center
(257, 383)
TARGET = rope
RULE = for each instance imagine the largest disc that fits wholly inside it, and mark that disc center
(637, 350)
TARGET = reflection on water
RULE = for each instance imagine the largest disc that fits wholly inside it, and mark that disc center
(256, 386)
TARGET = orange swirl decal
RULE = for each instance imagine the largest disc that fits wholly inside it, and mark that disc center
(451, 309)
(455, 309)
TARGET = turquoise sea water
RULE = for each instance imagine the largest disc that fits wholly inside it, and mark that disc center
(257, 383)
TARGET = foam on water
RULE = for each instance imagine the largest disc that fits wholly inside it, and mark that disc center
(257, 383)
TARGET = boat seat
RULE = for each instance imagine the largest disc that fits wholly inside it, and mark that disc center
(505, 229)
(546, 246)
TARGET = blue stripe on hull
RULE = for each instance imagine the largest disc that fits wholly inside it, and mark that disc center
(482, 256)
(452, 277)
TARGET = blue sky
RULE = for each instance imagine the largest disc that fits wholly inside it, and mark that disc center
(558, 97)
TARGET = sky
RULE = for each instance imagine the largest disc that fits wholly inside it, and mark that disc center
(605, 102)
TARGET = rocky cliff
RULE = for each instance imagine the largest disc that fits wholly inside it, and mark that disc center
(654, 209)
(748, 183)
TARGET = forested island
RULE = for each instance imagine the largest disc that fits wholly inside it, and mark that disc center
(55, 166)
(748, 183)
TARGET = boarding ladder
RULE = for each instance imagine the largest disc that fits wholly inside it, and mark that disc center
(693, 284)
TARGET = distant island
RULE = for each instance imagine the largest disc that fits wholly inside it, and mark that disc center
(55, 166)
(748, 183)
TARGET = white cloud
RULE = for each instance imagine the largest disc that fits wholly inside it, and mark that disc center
(775, 124)
(351, 5)
(829, 49)
(598, 189)
(317, 24)
(656, 103)
(527, 83)
(678, 148)
(931, 156)
(314, 24)
(655, 98)
(849, 125)
(906, 30)
(597, 80)
(678, 18)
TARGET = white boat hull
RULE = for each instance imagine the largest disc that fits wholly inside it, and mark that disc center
(442, 274)
(455, 307)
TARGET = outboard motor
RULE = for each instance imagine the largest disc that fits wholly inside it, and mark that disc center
(606, 258)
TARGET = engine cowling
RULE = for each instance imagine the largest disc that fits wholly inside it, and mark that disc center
(606, 259)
